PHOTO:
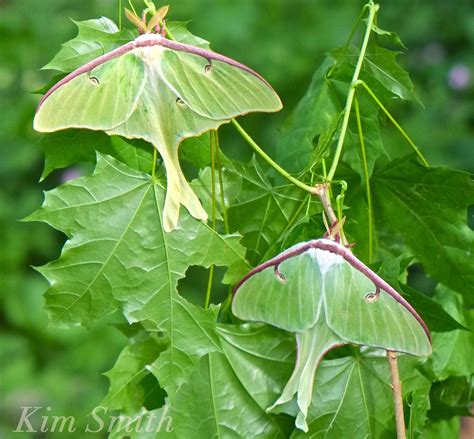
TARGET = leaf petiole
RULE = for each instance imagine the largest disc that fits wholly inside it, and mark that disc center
(366, 178)
(213, 147)
(221, 185)
(353, 31)
(392, 119)
(271, 162)
(153, 165)
(373, 8)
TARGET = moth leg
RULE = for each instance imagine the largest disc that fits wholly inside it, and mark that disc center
(162, 30)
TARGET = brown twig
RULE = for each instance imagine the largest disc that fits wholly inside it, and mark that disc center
(397, 394)
(322, 191)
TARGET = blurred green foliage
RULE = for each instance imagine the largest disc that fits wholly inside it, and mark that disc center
(285, 40)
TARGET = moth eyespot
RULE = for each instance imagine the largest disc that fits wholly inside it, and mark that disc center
(94, 80)
(207, 68)
(180, 102)
(373, 297)
(279, 275)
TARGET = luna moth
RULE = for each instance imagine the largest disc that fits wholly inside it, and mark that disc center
(161, 91)
(323, 293)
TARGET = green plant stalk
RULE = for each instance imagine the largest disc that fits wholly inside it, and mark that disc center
(373, 8)
(131, 6)
(353, 31)
(212, 145)
(120, 14)
(270, 161)
(394, 122)
(168, 32)
(212, 139)
(295, 216)
(153, 165)
(367, 180)
(221, 185)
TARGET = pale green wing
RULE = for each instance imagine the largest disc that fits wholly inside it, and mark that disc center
(216, 89)
(161, 95)
(321, 286)
(289, 299)
(100, 99)
(357, 313)
(164, 122)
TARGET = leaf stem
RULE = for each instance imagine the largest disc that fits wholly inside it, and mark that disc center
(221, 185)
(351, 35)
(133, 8)
(168, 32)
(120, 14)
(212, 145)
(373, 8)
(397, 394)
(367, 179)
(153, 165)
(392, 119)
(271, 162)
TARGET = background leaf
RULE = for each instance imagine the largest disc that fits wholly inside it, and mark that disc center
(307, 121)
(129, 387)
(119, 258)
(261, 210)
(453, 352)
(94, 38)
(354, 394)
(425, 209)
(203, 406)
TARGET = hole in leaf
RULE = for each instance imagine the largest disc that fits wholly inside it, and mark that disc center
(470, 217)
(193, 287)
(154, 395)
(341, 352)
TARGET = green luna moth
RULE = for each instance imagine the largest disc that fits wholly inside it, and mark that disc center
(323, 293)
(161, 91)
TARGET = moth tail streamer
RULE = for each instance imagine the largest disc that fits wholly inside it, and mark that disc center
(178, 191)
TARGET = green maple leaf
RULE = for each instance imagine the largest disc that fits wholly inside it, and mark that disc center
(129, 386)
(420, 211)
(95, 37)
(354, 394)
(453, 352)
(263, 212)
(119, 258)
(98, 36)
(307, 122)
(381, 65)
(59, 153)
(425, 209)
(228, 393)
